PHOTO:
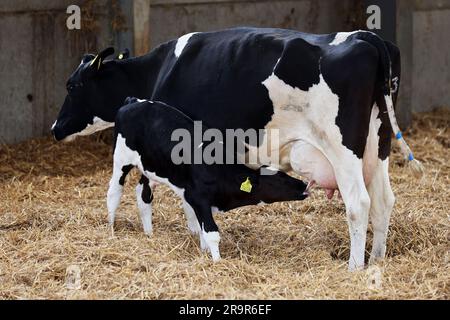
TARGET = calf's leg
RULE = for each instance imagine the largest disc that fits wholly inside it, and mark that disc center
(191, 218)
(144, 198)
(120, 171)
(209, 234)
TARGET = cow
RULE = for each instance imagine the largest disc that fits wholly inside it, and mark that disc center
(143, 139)
(331, 97)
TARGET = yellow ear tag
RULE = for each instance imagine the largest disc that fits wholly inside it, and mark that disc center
(246, 186)
(120, 56)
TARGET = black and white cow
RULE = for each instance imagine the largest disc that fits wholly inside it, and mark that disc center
(143, 139)
(330, 96)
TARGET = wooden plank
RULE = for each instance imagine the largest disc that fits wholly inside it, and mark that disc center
(141, 24)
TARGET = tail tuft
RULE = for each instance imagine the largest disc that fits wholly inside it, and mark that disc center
(417, 168)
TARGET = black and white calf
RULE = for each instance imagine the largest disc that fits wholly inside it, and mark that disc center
(143, 134)
(331, 97)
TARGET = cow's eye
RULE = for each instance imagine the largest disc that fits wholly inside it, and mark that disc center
(72, 86)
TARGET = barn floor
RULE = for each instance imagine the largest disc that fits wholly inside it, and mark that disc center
(53, 221)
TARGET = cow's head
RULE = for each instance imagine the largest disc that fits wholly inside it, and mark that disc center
(94, 94)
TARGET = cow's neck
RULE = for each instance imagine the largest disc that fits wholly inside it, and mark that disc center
(142, 73)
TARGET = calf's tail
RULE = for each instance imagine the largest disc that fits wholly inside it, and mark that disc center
(387, 90)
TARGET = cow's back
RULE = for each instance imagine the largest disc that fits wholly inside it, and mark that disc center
(218, 76)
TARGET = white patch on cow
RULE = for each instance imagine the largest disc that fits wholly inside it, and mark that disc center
(145, 210)
(98, 124)
(261, 203)
(182, 42)
(54, 125)
(211, 240)
(114, 194)
(309, 117)
(370, 157)
(270, 168)
(215, 210)
(341, 37)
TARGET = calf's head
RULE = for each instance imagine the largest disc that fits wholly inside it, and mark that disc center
(95, 91)
(255, 187)
(278, 187)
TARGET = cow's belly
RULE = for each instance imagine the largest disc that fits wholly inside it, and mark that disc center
(312, 164)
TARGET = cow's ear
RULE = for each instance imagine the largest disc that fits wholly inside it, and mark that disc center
(125, 54)
(97, 61)
(88, 57)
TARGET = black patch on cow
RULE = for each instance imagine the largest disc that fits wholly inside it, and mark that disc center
(385, 132)
(125, 171)
(299, 64)
(147, 194)
(351, 73)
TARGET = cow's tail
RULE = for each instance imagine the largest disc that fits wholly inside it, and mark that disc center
(377, 42)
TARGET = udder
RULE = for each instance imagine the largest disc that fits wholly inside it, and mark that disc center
(311, 163)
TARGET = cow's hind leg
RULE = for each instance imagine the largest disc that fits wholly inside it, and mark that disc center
(144, 198)
(350, 180)
(120, 171)
(348, 172)
(382, 201)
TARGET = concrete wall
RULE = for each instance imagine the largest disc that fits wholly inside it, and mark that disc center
(171, 18)
(423, 37)
(37, 56)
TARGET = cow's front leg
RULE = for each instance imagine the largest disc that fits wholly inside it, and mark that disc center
(382, 201)
(144, 197)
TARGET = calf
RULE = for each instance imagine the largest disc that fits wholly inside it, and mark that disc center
(143, 139)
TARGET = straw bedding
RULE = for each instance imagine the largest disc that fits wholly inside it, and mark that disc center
(54, 240)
